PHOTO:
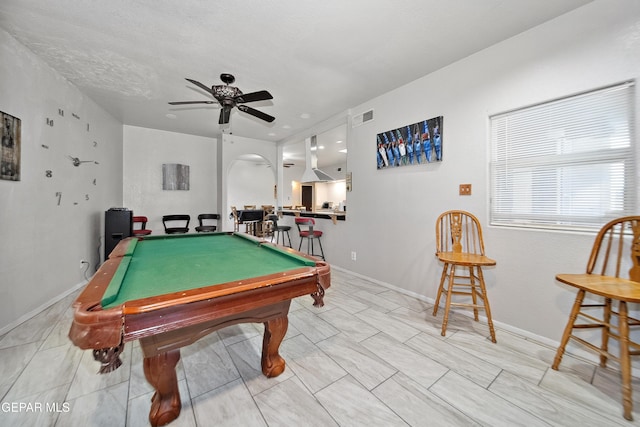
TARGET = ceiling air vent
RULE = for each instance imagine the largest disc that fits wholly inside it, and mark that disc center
(361, 119)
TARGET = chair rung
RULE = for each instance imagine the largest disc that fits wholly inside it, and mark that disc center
(588, 326)
(476, 278)
(466, 285)
(595, 348)
(461, 304)
(593, 305)
(458, 292)
(595, 319)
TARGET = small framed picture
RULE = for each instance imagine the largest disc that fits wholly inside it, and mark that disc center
(10, 148)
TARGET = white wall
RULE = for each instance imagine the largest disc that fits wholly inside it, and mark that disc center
(250, 183)
(391, 213)
(145, 151)
(334, 191)
(42, 242)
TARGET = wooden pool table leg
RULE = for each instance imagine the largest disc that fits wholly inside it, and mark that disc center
(274, 332)
(160, 371)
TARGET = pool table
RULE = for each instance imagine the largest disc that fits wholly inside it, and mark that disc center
(168, 291)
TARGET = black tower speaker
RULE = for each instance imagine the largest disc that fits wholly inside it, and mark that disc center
(118, 224)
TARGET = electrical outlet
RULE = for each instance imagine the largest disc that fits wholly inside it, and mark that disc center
(353, 255)
(465, 189)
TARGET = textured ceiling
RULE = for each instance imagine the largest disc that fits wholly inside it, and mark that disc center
(317, 58)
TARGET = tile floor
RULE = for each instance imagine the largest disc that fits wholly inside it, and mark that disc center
(370, 357)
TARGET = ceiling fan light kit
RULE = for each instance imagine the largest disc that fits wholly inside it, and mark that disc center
(229, 97)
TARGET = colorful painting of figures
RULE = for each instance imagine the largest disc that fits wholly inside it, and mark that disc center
(419, 143)
(10, 148)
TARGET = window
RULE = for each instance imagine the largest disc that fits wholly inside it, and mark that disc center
(567, 163)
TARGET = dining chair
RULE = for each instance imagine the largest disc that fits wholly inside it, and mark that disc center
(169, 221)
(266, 226)
(140, 221)
(612, 275)
(249, 225)
(460, 246)
(236, 219)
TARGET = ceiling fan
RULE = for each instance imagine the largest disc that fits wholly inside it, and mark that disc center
(229, 97)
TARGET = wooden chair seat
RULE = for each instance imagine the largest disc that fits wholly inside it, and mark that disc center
(465, 259)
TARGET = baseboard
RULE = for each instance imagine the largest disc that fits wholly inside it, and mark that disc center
(39, 309)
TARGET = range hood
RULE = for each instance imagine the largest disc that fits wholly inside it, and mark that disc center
(311, 172)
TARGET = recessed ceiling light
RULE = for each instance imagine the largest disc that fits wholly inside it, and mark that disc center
(305, 115)
(286, 127)
(343, 150)
(271, 134)
(339, 142)
(171, 116)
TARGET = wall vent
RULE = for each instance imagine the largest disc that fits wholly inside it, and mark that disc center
(360, 119)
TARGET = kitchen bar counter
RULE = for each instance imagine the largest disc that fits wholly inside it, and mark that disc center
(334, 216)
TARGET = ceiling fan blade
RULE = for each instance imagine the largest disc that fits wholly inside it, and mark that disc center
(191, 102)
(201, 86)
(225, 114)
(261, 95)
(256, 113)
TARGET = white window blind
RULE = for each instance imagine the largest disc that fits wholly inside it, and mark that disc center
(567, 163)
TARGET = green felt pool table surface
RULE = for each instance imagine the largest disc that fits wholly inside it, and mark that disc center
(166, 264)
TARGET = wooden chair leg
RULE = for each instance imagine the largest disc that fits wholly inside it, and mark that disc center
(606, 330)
(442, 278)
(474, 296)
(567, 330)
(625, 361)
(487, 308)
(447, 304)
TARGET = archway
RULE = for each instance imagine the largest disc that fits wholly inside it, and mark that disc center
(251, 181)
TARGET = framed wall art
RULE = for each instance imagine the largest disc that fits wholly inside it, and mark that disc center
(175, 176)
(415, 144)
(10, 147)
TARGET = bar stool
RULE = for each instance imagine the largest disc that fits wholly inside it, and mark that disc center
(460, 246)
(168, 221)
(142, 231)
(305, 230)
(279, 230)
(603, 293)
(205, 226)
